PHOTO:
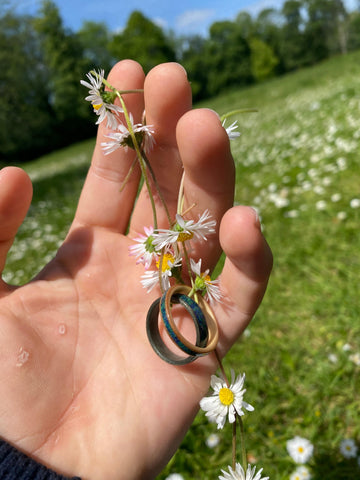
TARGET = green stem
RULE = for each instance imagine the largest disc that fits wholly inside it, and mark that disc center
(234, 445)
(180, 203)
(140, 158)
(236, 112)
(152, 173)
(242, 437)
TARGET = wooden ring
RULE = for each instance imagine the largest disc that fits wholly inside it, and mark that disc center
(202, 306)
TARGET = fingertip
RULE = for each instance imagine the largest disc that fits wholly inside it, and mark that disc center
(15, 198)
(244, 244)
(167, 98)
(201, 136)
(128, 71)
(12, 181)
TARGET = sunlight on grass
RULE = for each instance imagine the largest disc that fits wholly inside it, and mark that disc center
(297, 163)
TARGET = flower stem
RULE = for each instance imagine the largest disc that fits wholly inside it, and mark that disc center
(161, 196)
(234, 445)
(140, 158)
(242, 437)
(236, 112)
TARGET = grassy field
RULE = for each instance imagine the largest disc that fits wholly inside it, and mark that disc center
(298, 164)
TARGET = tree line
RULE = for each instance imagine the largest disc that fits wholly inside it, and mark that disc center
(42, 62)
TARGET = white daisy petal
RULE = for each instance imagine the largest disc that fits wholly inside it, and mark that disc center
(225, 401)
(300, 449)
(239, 474)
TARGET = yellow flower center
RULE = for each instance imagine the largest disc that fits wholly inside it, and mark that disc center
(226, 396)
(301, 449)
(207, 278)
(183, 236)
(97, 107)
(167, 257)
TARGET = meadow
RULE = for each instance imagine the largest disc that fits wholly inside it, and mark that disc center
(298, 164)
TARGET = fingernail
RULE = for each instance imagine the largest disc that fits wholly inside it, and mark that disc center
(257, 218)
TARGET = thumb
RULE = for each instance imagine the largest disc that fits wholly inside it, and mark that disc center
(15, 199)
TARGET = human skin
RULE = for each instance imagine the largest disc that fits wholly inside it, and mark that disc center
(92, 399)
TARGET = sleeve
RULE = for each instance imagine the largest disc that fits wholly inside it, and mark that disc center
(15, 465)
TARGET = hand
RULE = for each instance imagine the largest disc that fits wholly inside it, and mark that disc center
(82, 391)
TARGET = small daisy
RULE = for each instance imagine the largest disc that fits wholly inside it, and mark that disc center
(239, 474)
(150, 279)
(225, 401)
(144, 250)
(333, 358)
(104, 109)
(301, 473)
(230, 130)
(355, 203)
(212, 440)
(122, 137)
(348, 448)
(185, 230)
(300, 449)
(174, 476)
(355, 358)
(204, 284)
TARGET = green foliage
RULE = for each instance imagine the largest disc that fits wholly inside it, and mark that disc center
(354, 31)
(63, 57)
(263, 59)
(228, 58)
(25, 114)
(142, 41)
(66, 64)
(94, 39)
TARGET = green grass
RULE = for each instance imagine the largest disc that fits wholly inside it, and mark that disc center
(297, 163)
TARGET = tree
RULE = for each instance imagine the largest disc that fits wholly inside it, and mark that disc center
(354, 31)
(263, 59)
(95, 38)
(64, 60)
(142, 41)
(325, 29)
(228, 58)
(246, 24)
(292, 35)
(26, 121)
(194, 61)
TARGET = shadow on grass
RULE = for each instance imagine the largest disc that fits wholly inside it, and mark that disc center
(330, 467)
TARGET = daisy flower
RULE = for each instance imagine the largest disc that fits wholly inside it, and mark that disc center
(301, 473)
(212, 440)
(185, 230)
(348, 448)
(122, 137)
(226, 401)
(150, 279)
(231, 130)
(97, 96)
(204, 284)
(239, 474)
(174, 476)
(355, 358)
(300, 449)
(144, 250)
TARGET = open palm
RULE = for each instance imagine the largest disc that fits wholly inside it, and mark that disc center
(81, 389)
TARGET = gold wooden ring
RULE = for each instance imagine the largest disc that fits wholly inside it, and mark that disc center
(173, 330)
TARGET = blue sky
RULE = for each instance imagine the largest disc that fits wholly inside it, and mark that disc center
(182, 16)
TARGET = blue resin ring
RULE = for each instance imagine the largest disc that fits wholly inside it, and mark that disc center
(202, 315)
(152, 330)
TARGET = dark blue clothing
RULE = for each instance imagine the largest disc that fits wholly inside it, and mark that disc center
(15, 465)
